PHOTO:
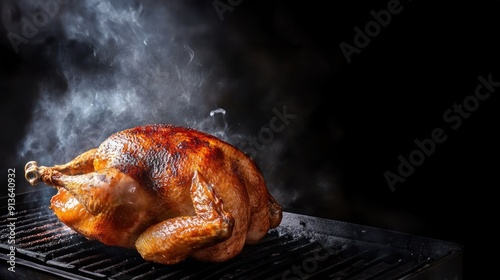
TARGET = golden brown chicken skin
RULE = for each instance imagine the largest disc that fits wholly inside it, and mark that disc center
(171, 192)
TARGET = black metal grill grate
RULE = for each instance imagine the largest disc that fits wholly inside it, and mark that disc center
(302, 247)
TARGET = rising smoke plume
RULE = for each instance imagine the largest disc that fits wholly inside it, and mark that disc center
(124, 63)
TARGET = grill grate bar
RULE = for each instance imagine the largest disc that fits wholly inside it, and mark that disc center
(89, 259)
(28, 222)
(364, 268)
(33, 236)
(395, 270)
(286, 264)
(56, 240)
(119, 266)
(101, 264)
(139, 268)
(144, 273)
(348, 265)
(39, 224)
(410, 268)
(74, 248)
(262, 268)
(25, 213)
(72, 252)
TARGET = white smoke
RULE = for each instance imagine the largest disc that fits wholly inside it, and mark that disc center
(125, 63)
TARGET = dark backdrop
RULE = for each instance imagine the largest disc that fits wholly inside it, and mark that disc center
(353, 120)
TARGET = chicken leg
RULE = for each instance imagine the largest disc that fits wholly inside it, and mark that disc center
(172, 240)
(84, 163)
(99, 204)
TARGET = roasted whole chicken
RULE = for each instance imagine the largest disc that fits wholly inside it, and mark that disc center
(170, 192)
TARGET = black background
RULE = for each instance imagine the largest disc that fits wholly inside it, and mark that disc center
(353, 119)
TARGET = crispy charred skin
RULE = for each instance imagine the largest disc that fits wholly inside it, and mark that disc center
(170, 192)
